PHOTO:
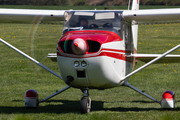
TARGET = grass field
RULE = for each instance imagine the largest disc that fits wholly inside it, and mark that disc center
(18, 75)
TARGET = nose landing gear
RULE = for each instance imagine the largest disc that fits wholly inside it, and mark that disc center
(85, 103)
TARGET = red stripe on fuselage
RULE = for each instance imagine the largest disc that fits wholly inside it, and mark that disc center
(113, 53)
(116, 50)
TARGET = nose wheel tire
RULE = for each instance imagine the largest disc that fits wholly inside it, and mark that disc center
(85, 105)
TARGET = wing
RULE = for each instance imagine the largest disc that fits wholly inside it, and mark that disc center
(153, 15)
(28, 15)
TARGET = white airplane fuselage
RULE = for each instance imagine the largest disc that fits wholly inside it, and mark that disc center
(99, 69)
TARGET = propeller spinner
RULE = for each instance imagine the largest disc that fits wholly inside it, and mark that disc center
(79, 46)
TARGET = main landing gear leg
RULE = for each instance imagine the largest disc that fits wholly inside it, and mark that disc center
(85, 103)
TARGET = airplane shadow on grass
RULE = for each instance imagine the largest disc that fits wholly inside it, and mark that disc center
(66, 106)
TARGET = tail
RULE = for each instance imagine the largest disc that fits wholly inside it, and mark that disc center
(135, 6)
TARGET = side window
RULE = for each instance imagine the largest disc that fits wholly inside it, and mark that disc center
(121, 29)
(127, 33)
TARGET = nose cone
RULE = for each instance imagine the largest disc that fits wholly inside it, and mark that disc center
(79, 46)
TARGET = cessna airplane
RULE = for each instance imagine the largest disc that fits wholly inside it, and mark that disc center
(98, 48)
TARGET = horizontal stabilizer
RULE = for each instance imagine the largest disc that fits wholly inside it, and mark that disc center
(157, 57)
(142, 57)
(52, 56)
(148, 57)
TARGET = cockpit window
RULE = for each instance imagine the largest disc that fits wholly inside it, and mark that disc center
(92, 20)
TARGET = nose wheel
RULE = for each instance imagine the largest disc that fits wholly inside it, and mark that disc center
(85, 103)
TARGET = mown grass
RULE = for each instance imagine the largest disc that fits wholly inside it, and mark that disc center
(18, 75)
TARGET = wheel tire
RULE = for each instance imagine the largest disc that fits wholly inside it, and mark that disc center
(84, 105)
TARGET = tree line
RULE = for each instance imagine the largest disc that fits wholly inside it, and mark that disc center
(87, 2)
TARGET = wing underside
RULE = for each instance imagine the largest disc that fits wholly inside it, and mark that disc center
(140, 16)
(28, 15)
(153, 16)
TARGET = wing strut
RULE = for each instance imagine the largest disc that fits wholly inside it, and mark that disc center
(58, 92)
(141, 92)
(30, 58)
(151, 62)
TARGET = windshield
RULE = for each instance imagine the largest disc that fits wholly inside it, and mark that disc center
(92, 20)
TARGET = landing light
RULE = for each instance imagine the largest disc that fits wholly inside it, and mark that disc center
(76, 64)
(83, 64)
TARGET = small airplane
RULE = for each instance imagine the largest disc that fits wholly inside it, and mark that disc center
(98, 49)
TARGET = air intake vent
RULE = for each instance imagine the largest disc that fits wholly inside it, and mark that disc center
(81, 74)
(66, 46)
(93, 46)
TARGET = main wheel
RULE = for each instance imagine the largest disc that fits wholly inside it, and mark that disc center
(85, 107)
